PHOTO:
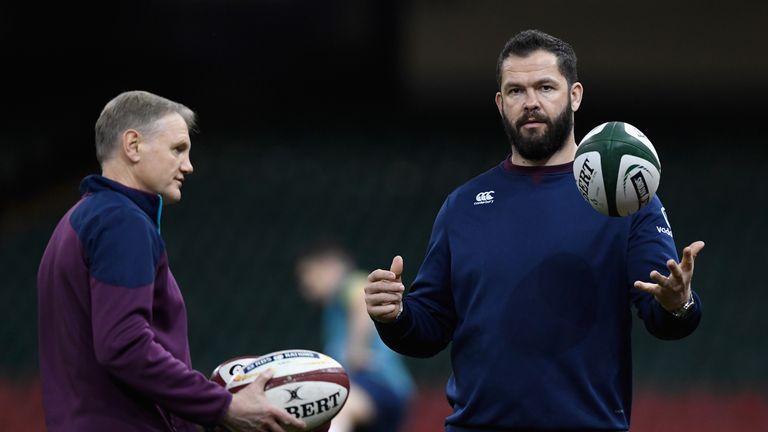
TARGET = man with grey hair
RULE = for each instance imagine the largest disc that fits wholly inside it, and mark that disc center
(114, 353)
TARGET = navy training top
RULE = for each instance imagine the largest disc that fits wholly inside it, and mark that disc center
(534, 288)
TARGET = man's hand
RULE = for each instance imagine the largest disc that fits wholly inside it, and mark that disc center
(384, 292)
(673, 291)
(251, 411)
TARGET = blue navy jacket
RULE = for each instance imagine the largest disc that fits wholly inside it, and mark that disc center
(534, 290)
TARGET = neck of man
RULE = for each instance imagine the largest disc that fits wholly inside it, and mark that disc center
(115, 170)
(563, 156)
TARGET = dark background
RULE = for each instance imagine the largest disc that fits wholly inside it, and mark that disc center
(357, 118)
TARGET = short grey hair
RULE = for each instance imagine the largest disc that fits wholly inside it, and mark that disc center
(138, 110)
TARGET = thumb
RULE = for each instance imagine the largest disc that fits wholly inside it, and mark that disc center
(397, 266)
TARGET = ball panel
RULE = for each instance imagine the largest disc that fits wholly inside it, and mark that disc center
(638, 181)
(609, 160)
(332, 375)
(640, 137)
(628, 134)
(314, 402)
(224, 372)
(593, 132)
(589, 180)
(638, 149)
(289, 362)
(612, 153)
(620, 132)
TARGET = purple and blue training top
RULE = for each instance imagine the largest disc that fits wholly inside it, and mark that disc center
(114, 352)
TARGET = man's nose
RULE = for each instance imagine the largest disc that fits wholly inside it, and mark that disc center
(531, 102)
(186, 166)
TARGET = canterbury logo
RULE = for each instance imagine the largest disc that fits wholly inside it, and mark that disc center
(484, 197)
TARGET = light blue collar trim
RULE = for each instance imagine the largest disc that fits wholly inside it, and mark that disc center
(159, 212)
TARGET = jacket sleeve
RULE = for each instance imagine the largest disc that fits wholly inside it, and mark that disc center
(426, 325)
(123, 254)
(650, 246)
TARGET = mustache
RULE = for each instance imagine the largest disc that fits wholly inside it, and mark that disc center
(532, 116)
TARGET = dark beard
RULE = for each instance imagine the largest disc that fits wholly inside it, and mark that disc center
(540, 146)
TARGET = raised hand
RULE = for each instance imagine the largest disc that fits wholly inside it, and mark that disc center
(384, 292)
(673, 291)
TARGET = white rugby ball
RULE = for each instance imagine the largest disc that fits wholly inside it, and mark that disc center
(309, 385)
(617, 169)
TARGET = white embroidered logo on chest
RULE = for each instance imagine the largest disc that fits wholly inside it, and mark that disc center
(484, 197)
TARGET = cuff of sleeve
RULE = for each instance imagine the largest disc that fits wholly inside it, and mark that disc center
(224, 409)
(396, 328)
(694, 311)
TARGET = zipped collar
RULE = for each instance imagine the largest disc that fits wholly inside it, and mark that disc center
(151, 204)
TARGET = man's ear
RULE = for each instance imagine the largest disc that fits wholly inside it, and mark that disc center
(577, 91)
(130, 145)
(499, 102)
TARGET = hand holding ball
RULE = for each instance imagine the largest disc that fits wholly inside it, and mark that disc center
(308, 385)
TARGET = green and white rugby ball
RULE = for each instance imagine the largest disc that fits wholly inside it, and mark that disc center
(617, 170)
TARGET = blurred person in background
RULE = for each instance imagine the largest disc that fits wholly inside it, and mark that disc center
(114, 352)
(380, 385)
(531, 286)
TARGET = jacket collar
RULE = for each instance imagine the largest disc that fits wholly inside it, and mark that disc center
(508, 166)
(151, 204)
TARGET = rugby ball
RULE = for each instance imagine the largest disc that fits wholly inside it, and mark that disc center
(309, 385)
(617, 169)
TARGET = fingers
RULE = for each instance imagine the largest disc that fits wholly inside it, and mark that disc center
(383, 311)
(272, 426)
(395, 270)
(690, 253)
(696, 247)
(650, 288)
(384, 292)
(261, 381)
(659, 278)
(379, 275)
(397, 266)
(394, 273)
(383, 300)
(250, 410)
(286, 419)
(384, 287)
(675, 271)
(380, 299)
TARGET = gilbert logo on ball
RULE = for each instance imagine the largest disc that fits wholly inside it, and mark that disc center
(616, 169)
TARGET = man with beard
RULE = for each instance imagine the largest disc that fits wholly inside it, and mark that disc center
(529, 283)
